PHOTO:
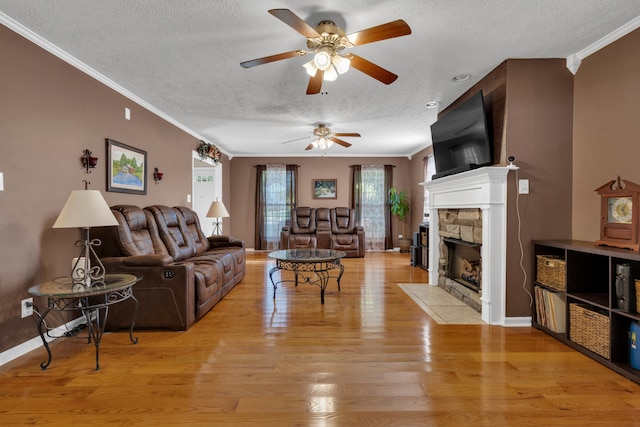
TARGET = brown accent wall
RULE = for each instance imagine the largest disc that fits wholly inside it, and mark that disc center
(49, 113)
(529, 105)
(539, 103)
(606, 128)
(243, 183)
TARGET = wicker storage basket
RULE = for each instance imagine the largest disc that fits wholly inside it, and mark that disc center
(590, 329)
(551, 271)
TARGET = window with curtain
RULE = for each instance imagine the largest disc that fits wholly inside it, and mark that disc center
(276, 195)
(371, 185)
(429, 170)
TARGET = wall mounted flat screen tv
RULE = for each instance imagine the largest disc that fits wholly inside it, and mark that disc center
(462, 139)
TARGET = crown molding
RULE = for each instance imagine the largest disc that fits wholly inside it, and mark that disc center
(74, 62)
(574, 60)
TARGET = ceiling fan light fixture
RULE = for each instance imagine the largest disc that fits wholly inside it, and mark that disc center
(321, 143)
(322, 60)
(330, 73)
(311, 68)
(341, 63)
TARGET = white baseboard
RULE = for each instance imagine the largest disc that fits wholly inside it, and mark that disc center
(517, 321)
(36, 342)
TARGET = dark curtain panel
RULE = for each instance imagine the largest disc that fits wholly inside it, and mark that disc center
(388, 182)
(261, 202)
(356, 199)
(356, 191)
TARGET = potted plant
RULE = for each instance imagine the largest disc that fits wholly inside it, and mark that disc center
(399, 203)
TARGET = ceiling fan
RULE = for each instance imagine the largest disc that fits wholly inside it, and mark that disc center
(324, 138)
(328, 41)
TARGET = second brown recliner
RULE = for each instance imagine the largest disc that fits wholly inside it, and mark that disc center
(346, 236)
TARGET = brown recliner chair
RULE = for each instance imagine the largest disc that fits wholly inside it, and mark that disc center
(301, 234)
(346, 236)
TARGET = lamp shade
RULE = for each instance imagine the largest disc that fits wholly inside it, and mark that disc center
(217, 210)
(85, 208)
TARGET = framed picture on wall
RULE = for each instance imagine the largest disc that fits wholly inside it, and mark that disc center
(325, 188)
(126, 168)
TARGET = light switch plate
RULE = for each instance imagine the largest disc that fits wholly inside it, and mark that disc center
(1, 181)
(523, 186)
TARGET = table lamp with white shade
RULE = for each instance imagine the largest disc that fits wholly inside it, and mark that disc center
(86, 209)
(217, 211)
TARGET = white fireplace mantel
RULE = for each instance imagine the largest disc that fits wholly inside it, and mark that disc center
(484, 188)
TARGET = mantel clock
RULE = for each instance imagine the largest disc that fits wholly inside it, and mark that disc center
(619, 214)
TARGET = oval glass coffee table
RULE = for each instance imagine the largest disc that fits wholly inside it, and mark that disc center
(312, 266)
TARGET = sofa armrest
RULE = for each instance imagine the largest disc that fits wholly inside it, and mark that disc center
(284, 237)
(224, 241)
(166, 296)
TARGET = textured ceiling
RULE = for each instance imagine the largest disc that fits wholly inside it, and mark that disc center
(181, 57)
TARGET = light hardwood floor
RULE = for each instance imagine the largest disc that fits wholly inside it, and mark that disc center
(369, 357)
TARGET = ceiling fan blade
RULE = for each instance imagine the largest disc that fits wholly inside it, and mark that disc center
(297, 139)
(346, 134)
(381, 32)
(309, 147)
(315, 83)
(375, 71)
(272, 58)
(341, 142)
(292, 20)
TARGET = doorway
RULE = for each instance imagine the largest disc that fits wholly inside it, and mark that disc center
(206, 188)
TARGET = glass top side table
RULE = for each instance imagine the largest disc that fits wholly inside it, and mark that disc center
(92, 301)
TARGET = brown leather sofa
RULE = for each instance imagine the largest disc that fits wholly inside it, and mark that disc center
(324, 228)
(185, 274)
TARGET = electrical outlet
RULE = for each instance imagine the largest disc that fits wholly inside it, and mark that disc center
(523, 186)
(26, 306)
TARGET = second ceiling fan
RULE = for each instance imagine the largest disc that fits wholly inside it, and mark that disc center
(327, 41)
(323, 138)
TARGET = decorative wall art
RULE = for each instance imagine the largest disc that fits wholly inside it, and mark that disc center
(127, 168)
(325, 189)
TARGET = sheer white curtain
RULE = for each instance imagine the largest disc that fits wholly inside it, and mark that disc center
(276, 209)
(374, 201)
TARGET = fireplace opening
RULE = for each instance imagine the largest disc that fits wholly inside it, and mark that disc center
(464, 264)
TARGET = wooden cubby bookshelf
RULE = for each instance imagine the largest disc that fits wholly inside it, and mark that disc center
(590, 283)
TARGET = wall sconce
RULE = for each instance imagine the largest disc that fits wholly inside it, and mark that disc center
(88, 161)
(157, 175)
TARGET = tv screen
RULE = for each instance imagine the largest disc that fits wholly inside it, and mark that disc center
(461, 139)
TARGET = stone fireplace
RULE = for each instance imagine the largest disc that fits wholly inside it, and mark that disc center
(483, 191)
(460, 263)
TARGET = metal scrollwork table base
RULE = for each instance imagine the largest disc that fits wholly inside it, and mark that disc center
(311, 266)
(93, 301)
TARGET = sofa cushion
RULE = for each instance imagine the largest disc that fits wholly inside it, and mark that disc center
(343, 220)
(297, 241)
(323, 219)
(173, 232)
(303, 220)
(208, 281)
(137, 233)
(193, 229)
